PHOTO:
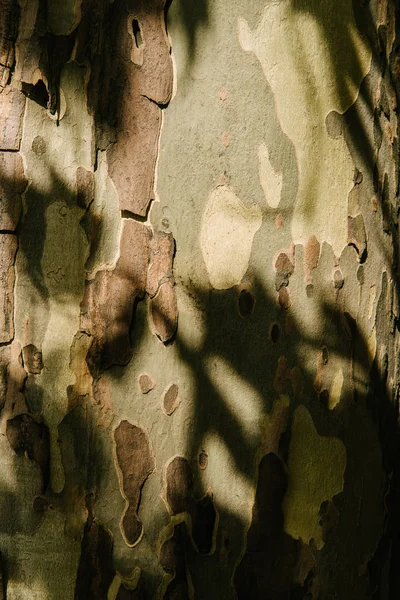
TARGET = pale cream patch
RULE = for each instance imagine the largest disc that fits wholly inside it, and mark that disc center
(227, 230)
(336, 390)
(271, 181)
(371, 300)
(316, 467)
(371, 346)
(301, 66)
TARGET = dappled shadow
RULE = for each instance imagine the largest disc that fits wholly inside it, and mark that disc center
(255, 350)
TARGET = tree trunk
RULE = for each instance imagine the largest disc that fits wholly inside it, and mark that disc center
(199, 277)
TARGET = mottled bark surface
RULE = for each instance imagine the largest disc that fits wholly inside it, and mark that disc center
(199, 336)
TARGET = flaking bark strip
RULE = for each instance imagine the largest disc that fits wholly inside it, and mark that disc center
(163, 312)
(162, 250)
(135, 462)
(147, 85)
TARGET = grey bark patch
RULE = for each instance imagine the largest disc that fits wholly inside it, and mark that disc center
(334, 124)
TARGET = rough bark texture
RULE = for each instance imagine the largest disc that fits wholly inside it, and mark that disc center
(199, 270)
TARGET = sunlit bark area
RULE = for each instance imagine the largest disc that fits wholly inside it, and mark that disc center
(199, 339)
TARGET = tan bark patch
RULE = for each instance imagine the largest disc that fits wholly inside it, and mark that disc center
(12, 105)
(164, 312)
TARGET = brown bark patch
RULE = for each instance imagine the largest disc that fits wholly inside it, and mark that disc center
(173, 561)
(203, 459)
(146, 383)
(164, 312)
(136, 463)
(95, 572)
(146, 85)
(283, 268)
(179, 497)
(356, 235)
(246, 303)
(8, 249)
(284, 298)
(171, 399)
(25, 434)
(12, 106)
(267, 570)
(32, 358)
(8, 34)
(110, 300)
(311, 255)
(12, 185)
(162, 250)
(84, 187)
(329, 519)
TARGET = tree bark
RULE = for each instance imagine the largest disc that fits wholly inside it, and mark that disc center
(199, 277)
